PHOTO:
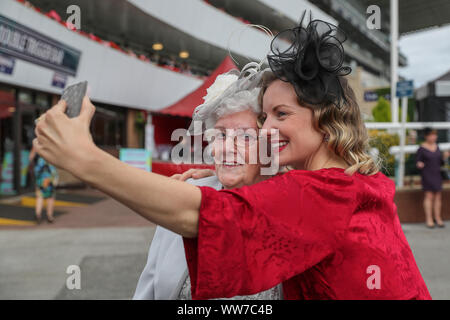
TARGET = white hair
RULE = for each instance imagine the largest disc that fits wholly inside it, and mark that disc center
(240, 101)
(232, 92)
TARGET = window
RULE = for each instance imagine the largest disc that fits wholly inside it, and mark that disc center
(25, 96)
(108, 126)
(43, 100)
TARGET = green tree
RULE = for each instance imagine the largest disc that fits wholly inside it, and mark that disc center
(383, 140)
(382, 111)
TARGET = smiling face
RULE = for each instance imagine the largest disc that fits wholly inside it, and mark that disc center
(299, 141)
(235, 167)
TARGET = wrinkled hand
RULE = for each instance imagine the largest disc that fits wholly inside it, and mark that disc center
(64, 141)
(194, 174)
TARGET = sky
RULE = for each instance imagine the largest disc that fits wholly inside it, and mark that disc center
(428, 54)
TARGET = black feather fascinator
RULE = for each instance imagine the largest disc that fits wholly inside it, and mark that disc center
(311, 58)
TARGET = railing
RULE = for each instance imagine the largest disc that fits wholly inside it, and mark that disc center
(408, 125)
(395, 150)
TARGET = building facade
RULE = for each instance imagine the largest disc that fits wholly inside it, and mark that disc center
(140, 56)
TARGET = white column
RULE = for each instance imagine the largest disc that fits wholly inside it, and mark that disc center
(401, 167)
(394, 59)
(150, 136)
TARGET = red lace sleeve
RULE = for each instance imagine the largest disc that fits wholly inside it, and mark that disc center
(253, 238)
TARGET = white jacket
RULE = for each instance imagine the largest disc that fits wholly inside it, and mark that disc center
(166, 268)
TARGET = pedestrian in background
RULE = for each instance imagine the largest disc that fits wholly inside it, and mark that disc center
(429, 160)
(46, 178)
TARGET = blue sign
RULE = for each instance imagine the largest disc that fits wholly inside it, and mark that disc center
(370, 96)
(7, 177)
(405, 89)
(24, 43)
(59, 80)
(6, 64)
(138, 158)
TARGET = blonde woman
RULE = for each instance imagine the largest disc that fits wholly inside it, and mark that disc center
(326, 230)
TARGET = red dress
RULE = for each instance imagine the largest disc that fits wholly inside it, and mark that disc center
(323, 234)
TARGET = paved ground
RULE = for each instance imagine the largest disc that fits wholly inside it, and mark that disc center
(109, 243)
(94, 213)
(105, 239)
(34, 262)
(432, 252)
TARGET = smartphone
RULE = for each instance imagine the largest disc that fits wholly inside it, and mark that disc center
(73, 95)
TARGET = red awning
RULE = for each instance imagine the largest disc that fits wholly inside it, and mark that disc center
(7, 102)
(185, 107)
(4, 111)
(169, 169)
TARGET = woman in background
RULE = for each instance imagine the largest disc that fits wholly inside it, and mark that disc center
(429, 160)
(46, 179)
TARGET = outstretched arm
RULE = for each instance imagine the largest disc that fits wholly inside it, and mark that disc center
(67, 144)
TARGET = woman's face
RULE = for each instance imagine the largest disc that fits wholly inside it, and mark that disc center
(298, 140)
(234, 149)
(431, 137)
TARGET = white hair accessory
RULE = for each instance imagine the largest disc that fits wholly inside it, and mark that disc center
(234, 92)
(222, 82)
(225, 96)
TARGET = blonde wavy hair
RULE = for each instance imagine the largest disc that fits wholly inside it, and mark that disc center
(348, 137)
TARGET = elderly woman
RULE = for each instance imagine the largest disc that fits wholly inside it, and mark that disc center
(166, 274)
(328, 229)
